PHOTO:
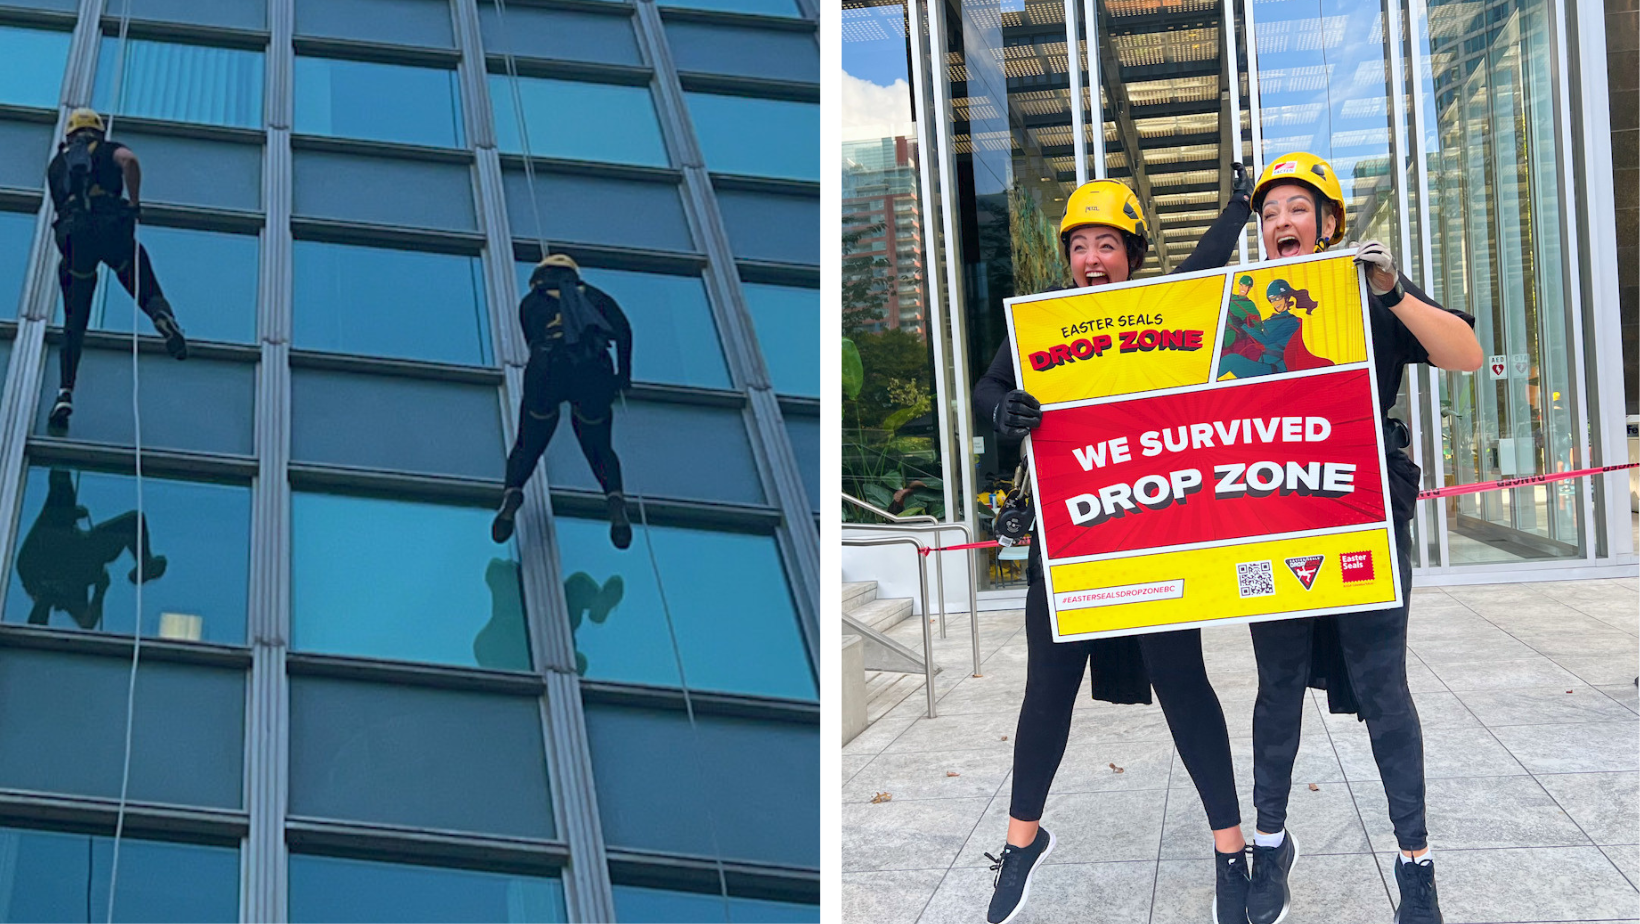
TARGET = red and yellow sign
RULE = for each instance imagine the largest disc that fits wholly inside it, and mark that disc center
(1210, 448)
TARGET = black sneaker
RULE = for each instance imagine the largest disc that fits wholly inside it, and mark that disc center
(1418, 902)
(152, 569)
(501, 528)
(61, 410)
(1269, 897)
(166, 324)
(620, 528)
(1230, 888)
(1013, 882)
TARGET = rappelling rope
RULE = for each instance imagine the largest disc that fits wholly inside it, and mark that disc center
(116, 105)
(643, 513)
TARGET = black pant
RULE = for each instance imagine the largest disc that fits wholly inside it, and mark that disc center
(587, 382)
(84, 241)
(1374, 647)
(1054, 675)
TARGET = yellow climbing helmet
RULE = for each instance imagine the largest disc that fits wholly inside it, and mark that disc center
(1110, 203)
(1312, 171)
(82, 118)
(551, 261)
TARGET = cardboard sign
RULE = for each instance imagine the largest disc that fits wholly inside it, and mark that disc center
(1210, 449)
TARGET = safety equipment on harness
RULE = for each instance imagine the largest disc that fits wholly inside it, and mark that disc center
(1016, 516)
(1110, 203)
(1312, 171)
(77, 157)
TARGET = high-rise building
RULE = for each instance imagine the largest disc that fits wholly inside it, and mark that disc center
(882, 221)
(351, 704)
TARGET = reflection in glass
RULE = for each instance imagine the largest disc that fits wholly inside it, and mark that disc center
(16, 233)
(76, 561)
(662, 309)
(890, 439)
(210, 279)
(787, 321)
(559, 114)
(377, 102)
(786, 8)
(181, 83)
(401, 303)
(738, 636)
(31, 66)
(47, 876)
(638, 905)
(335, 889)
(1323, 76)
(785, 144)
(1497, 205)
(402, 580)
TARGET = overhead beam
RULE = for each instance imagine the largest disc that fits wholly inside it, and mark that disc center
(1120, 110)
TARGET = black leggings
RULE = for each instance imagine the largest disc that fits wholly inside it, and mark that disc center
(84, 243)
(1054, 676)
(1375, 654)
(588, 384)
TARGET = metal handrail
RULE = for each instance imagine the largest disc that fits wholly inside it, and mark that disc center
(922, 580)
(939, 566)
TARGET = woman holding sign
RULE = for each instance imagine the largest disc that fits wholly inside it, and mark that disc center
(1360, 658)
(1104, 240)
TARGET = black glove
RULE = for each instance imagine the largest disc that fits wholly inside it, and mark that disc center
(134, 210)
(1017, 415)
(1241, 184)
(623, 381)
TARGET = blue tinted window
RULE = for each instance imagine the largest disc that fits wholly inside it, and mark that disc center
(16, 234)
(804, 433)
(75, 555)
(392, 753)
(333, 889)
(755, 7)
(181, 83)
(786, 142)
(31, 66)
(575, 120)
(210, 279)
(65, 877)
(756, 783)
(744, 51)
(780, 228)
(637, 905)
(377, 102)
(400, 303)
(433, 587)
(636, 214)
(788, 330)
(674, 339)
(736, 636)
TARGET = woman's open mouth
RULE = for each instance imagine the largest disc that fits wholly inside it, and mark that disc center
(1287, 246)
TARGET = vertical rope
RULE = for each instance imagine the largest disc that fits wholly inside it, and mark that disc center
(643, 513)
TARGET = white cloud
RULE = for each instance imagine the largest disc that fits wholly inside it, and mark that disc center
(874, 111)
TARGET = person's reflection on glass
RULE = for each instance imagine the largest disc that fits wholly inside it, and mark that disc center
(502, 643)
(65, 567)
(586, 600)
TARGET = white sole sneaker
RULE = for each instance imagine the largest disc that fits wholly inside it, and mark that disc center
(1025, 893)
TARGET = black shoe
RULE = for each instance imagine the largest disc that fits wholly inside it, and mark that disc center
(620, 528)
(61, 410)
(1230, 888)
(501, 529)
(1013, 883)
(166, 324)
(152, 569)
(1269, 897)
(1418, 902)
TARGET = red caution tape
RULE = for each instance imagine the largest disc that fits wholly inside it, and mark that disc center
(991, 544)
(1521, 482)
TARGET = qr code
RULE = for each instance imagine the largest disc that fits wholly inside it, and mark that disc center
(1256, 579)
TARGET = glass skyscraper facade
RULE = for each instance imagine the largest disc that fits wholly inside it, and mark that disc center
(351, 704)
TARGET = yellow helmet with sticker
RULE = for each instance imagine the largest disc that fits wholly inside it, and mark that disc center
(1112, 204)
(1312, 171)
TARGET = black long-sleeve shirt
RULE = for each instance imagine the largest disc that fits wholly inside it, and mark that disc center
(542, 321)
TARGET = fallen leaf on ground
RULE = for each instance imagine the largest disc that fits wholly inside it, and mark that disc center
(952, 773)
(1314, 788)
(1117, 769)
(880, 797)
(1003, 738)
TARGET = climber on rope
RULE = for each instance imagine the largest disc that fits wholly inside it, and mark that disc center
(63, 566)
(94, 224)
(569, 326)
